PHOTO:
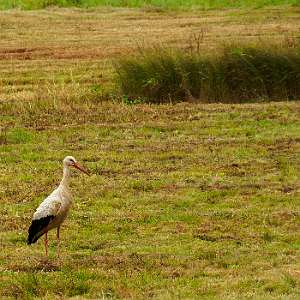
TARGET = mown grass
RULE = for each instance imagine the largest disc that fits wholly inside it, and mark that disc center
(46, 58)
(238, 74)
(166, 4)
(184, 201)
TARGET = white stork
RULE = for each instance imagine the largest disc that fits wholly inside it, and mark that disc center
(54, 209)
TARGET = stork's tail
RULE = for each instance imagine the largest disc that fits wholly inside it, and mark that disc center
(37, 229)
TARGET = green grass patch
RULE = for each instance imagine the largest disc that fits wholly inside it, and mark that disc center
(19, 135)
(238, 74)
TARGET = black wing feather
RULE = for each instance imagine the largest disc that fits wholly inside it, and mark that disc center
(36, 229)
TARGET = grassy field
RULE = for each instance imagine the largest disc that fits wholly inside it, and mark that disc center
(63, 54)
(185, 201)
(164, 4)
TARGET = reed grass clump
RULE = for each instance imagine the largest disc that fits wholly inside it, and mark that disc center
(237, 74)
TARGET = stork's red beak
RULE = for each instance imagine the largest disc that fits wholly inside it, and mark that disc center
(81, 168)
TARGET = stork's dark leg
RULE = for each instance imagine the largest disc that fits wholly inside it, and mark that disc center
(58, 242)
(46, 243)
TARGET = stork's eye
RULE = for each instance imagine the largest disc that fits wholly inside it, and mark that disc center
(72, 161)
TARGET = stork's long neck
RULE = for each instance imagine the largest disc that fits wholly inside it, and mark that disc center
(66, 177)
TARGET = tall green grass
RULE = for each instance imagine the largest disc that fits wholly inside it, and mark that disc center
(237, 74)
(173, 4)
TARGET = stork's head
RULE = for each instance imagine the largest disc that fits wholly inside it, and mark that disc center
(70, 161)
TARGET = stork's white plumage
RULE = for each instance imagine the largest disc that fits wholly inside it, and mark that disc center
(54, 209)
